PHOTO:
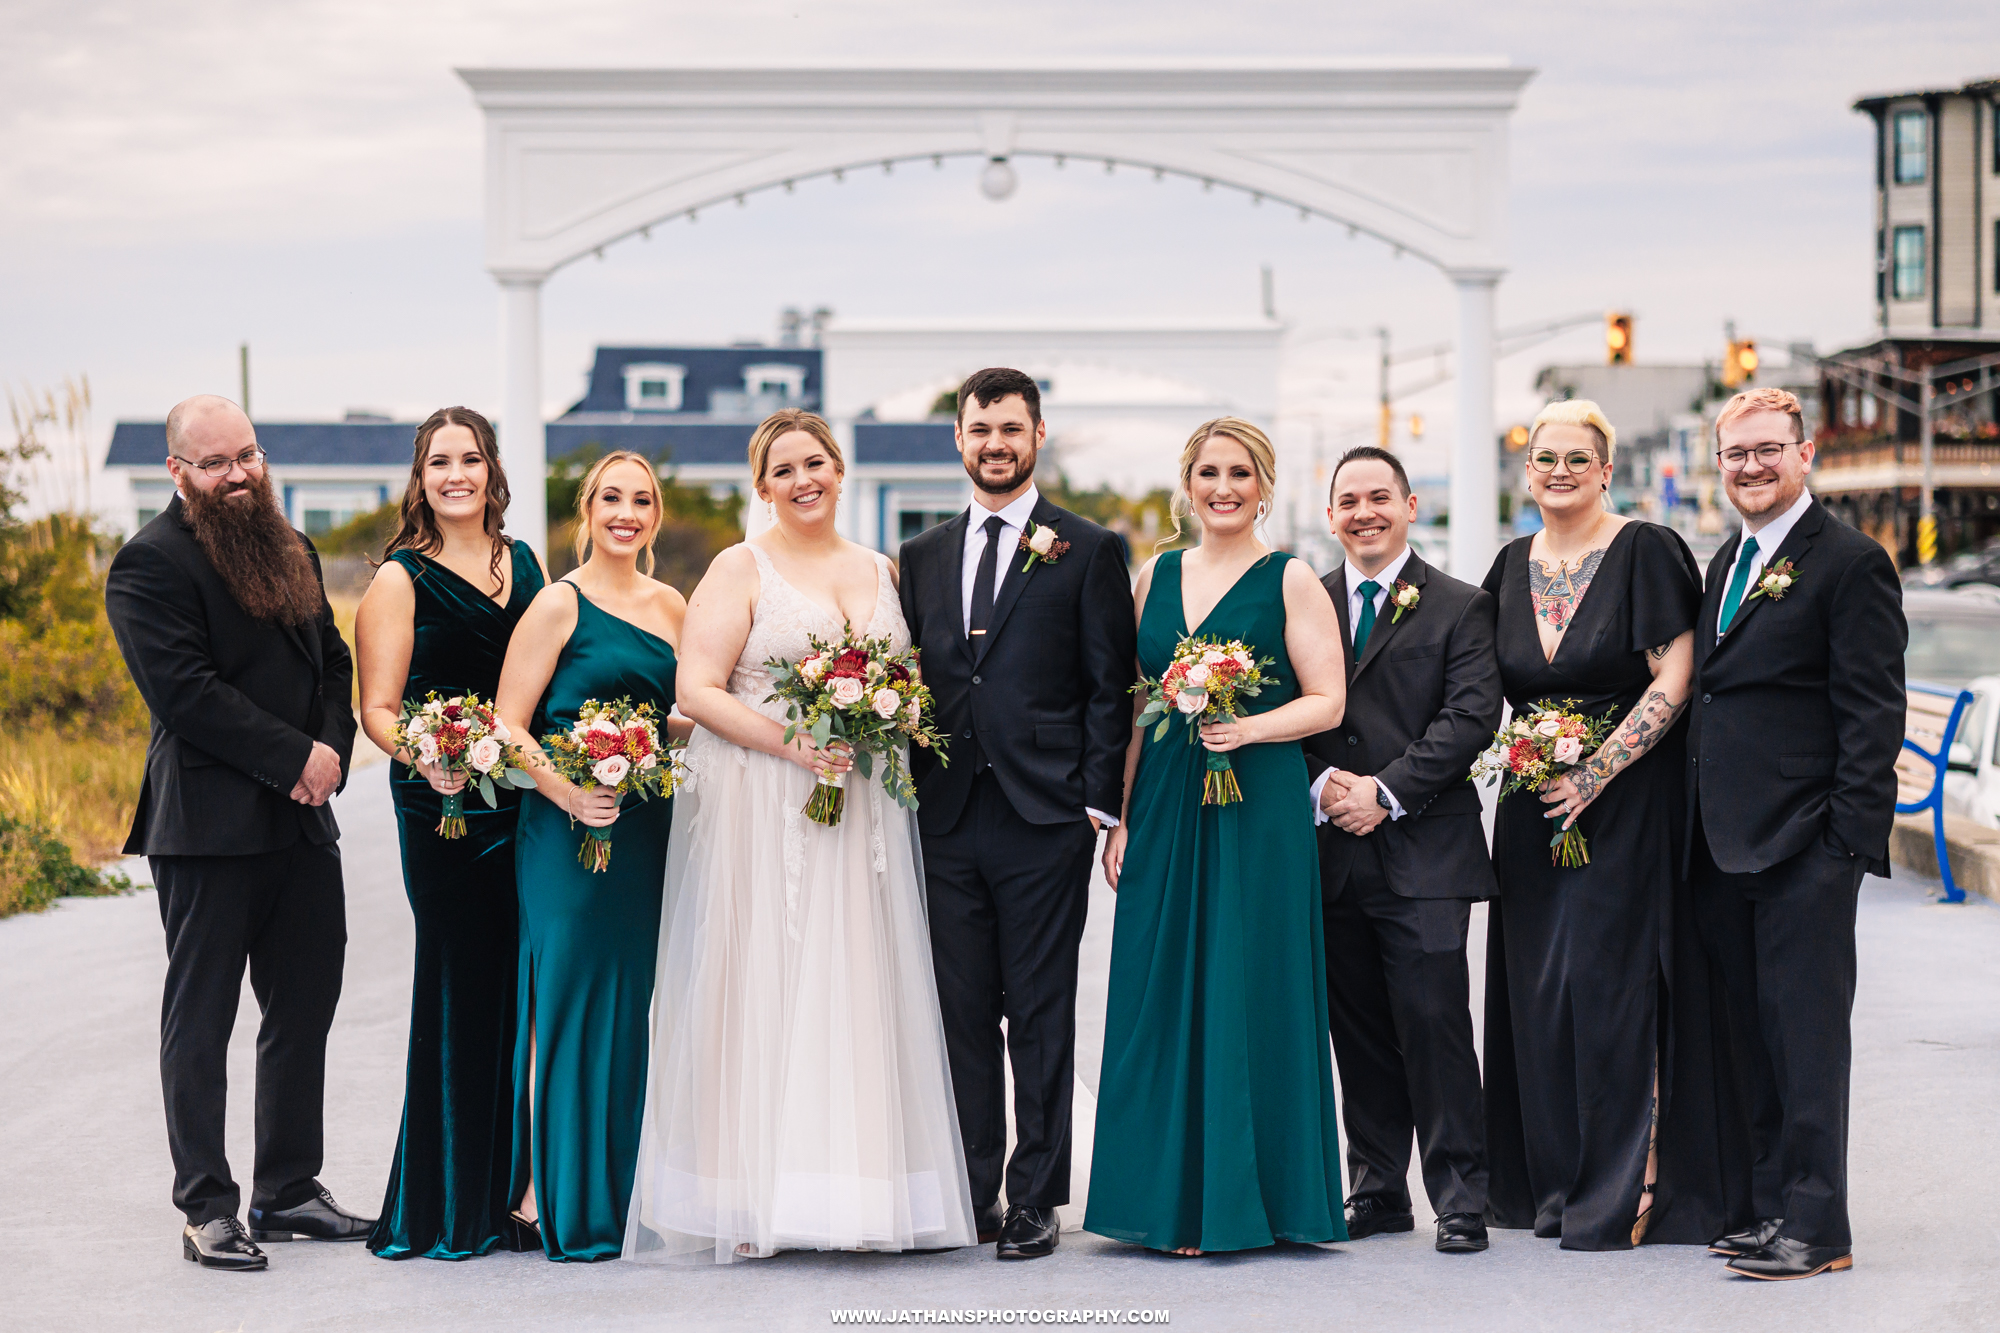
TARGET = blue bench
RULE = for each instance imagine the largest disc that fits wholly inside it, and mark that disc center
(1929, 729)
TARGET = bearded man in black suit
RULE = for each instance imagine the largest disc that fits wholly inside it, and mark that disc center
(1023, 614)
(1792, 741)
(222, 619)
(1403, 857)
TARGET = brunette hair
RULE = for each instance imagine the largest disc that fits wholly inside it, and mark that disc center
(1254, 441)
(416, 526)
(1762, 400)
(586, 495)
(989, 386)
(1362, 453)
(783, 423)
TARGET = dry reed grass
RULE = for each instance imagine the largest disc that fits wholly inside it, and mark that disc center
(82, 794)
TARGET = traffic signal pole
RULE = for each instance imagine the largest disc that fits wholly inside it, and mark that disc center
(1927, 535)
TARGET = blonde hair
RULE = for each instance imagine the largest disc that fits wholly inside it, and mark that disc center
(1254, 441)
(1762, 400)
(586, 496)
(1578, 412)
(784, 422)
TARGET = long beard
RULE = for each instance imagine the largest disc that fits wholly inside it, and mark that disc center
(255, 550)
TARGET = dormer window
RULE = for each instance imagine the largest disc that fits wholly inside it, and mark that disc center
(775, 380)
(653, 387)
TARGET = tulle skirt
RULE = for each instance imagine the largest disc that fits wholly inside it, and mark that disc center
(799, 1095)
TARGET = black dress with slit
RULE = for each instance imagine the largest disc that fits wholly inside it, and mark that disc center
(1593, 976)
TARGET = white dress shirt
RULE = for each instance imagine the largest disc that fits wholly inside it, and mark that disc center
(1768, 541)
(1384, 582)
(1013, 522)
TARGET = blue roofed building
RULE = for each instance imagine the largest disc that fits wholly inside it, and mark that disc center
(690, 409)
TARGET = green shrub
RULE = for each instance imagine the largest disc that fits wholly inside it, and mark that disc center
(36, 869)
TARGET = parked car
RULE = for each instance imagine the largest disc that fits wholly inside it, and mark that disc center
(1955, 642)
(1977, 567)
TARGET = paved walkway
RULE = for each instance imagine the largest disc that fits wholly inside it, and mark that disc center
(90, 1237)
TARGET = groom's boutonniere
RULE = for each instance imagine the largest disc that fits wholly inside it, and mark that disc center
(1775, 583)
(1406, 596)
(1041, 543)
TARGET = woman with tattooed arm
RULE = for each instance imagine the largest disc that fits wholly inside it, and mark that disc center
(1596, 613)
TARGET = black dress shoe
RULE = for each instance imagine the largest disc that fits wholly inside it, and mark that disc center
(318, 1218)
(1784, 1259)
(1029, 1233)
(1747, 1241)
(1373, 1214)
(988, 1221)
(1461, 1233)
(221, 1244)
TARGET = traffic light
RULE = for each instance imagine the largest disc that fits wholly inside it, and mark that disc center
(1416, 425)
(1739, 366)
(1517, 439)
(1617, 339)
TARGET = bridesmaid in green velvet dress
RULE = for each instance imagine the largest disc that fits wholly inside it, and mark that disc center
(1215, 1109)
(589, 940)
(438, 617)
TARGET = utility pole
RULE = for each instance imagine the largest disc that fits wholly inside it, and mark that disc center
(1927, 535)
(1382, 426)
(243, 375)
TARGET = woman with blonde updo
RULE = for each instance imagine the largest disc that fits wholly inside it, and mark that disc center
(1596, 614)
(1215, 1115)
(799, 1095)
(606, 631)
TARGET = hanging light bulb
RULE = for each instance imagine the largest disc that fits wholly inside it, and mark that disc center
(997, 182)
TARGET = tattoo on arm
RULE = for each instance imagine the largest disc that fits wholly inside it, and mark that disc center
(1659, 654)
(1639, 732)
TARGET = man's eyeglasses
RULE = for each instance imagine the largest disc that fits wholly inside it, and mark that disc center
(249, 460)
(1767, 456)
(1576, 460)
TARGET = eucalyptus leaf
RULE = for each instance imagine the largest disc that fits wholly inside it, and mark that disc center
(822, 731)
(790, 732)
(486, 790)
(865, 762)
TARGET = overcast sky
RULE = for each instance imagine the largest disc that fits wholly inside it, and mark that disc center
(179, 177)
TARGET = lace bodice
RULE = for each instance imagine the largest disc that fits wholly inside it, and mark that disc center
(784, 618)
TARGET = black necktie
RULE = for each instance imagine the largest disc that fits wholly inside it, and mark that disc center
(982, 581)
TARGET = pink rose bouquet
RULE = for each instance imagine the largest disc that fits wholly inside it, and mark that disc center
(615, 745)
(1202, 684)
(868, 697)
(462, 735)
(1535, 750)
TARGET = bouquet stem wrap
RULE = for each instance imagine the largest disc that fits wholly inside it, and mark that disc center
(1569, 850)
(595, 854)
(829, 799)
(453, 823)
(1218, 784)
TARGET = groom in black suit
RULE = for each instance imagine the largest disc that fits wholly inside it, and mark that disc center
(1023, 615)
(1403, 857)
(223, 622)
(1792, 742)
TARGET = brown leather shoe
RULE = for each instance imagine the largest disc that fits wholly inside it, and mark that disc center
(1785, 1259)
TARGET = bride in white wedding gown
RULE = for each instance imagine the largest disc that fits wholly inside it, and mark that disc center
(798, 1095)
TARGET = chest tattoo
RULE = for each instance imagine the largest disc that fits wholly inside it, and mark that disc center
(1558, 587)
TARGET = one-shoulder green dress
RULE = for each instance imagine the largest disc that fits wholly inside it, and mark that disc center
(447, 1195)
(1215, 1108)
(589, 942)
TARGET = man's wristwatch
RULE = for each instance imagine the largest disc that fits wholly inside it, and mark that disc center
(1382, 798)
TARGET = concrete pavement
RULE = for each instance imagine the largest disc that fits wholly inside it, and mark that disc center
(90, 1237)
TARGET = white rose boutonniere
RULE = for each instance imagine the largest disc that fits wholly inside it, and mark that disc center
(1041, 543)
(1776, 581)
(1406, 596)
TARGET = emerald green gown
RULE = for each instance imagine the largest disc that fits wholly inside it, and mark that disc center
(1215, 1108)
(589, 942)
(447, 1195)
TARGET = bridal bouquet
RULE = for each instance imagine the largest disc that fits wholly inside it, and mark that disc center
(615, 745)
(865, 695)
(1202, 684)
(462, 735)
(1538, 748)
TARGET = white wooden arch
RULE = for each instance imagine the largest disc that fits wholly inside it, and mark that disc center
(1412, 153)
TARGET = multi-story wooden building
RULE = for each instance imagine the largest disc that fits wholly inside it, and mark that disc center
(1937, 300)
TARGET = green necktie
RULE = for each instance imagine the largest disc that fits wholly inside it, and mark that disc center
(1742, 576)
(1367, 626)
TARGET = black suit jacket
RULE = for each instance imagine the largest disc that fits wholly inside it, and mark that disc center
(1797, 715)
(237, 703)
(1422, 702)
(1049, 689)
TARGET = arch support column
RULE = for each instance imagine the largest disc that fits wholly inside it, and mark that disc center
(523, 442)
(1475, 466)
